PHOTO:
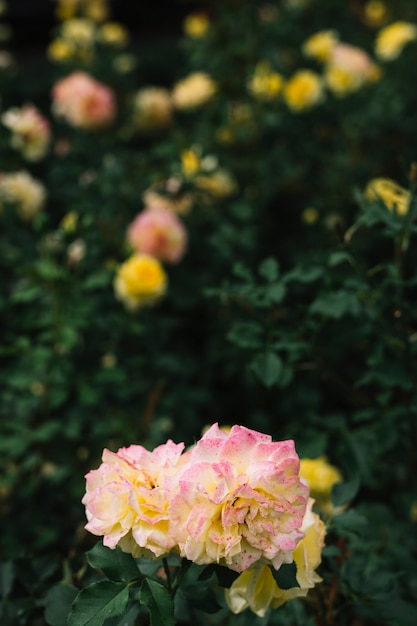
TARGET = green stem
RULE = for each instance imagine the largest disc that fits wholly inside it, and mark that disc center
(168, 575)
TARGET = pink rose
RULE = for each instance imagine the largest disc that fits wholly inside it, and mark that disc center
(83, 101)
(238, 499)
(125, 501)
(159, 233)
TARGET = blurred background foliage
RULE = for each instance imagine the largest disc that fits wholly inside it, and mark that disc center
(293, 311)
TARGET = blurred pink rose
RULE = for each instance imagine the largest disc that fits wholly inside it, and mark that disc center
(83, 101)
(125, 502)
(158, 232)
(238, 499)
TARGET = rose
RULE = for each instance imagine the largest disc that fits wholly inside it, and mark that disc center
(125, 499)
(258, 589)
(158, 232)
(83, 101)
(238, 500)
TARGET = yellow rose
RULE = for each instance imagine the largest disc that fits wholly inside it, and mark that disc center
(393, 38)
(265, 83)
(190, 163)
(113, 34)
(395, 197)
(303, 91)
(320, 476)
(60, 50)
(140, 281)
(193, 91)
(196, 25)
(375, 13)
(320, 45)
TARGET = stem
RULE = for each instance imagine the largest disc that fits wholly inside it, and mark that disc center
(185, 564)
(167, 574)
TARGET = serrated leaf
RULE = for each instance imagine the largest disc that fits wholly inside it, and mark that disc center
(58, 603)
(98, 602)
(116, 564)
(158, 601)
(268, 368)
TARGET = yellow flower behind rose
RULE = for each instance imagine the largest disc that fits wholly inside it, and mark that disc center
(196, 25)
(392, 39)
(24, 192)
(140, 281)
(303, 91)
(265, 84)
(320, 476)
(113, 34)
(152, 108)
(69, 222)
(79, 31)
(219, 184)
(61, 50)
(257, 588)
(375, 13)
(190, 163)
(320, 45)
(193, 91)
(395, 197)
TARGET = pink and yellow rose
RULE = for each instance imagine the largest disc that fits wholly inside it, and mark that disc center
(83, 101)
(159, 233)
(238, 500)
(125, 500)
(257, 588)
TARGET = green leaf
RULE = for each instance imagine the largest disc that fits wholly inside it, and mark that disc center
(97, 602)
(6, 578)
(286, 576)
(58, 603)
(349, 522)
(336, 258)
(304, 274)
(276, 293)
(117, 565)
(158, 601)
(268, 368)
(342, 493)
(337, 304)
(269, 269)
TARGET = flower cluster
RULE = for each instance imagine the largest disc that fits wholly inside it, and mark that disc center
(235, 498)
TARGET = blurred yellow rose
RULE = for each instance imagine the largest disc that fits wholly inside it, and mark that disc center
(395, 197)
(196, 25)
(392, 39)
(303, 90)
(265, 83)
(141, 280)
(320, 45)
(320, 476)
